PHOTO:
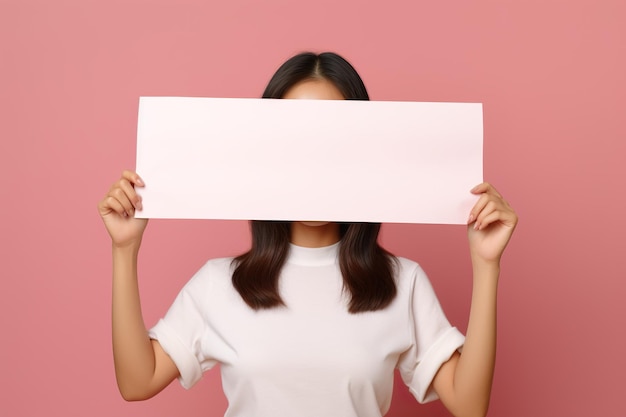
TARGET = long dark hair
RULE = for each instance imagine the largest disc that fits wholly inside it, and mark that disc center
(367, 268)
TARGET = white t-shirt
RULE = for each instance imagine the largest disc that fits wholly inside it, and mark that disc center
(312, 357)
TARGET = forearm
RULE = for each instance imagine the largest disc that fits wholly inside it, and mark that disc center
(474, 372)
(132, 349)
(464, 382)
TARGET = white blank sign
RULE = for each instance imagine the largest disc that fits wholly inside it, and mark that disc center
(331, 160)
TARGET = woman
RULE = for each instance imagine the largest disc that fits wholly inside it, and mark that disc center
(314, 319)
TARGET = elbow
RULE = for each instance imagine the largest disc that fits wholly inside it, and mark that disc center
(132, 394)
(481, 413)
(483, 409)
(476, 411)
(132, 397)
(471, 414)
(470, 409)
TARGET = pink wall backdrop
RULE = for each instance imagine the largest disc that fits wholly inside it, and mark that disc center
(551, 75)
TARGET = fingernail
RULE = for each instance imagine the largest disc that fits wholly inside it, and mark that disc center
(476, 227)
(471, 217)
(139, 181)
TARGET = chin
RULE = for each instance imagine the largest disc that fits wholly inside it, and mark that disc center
(314, 224)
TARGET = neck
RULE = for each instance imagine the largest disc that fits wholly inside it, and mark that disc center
(314, 234)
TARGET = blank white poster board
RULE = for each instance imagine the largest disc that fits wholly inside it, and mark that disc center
(330, 160)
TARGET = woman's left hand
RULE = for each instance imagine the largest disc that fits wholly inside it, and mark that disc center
(490, 224)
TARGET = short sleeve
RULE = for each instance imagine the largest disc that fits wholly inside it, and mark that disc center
(182, 332)
(434, 340)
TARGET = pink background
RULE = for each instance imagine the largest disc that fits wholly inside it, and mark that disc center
(550, 75)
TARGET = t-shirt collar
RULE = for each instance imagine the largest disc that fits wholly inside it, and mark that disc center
(326, 255)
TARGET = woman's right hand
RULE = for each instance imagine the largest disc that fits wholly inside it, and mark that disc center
(117, 210)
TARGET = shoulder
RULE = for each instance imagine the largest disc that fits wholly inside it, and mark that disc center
(407, 269)
(219, 265)
(214, 272)
(411, 277)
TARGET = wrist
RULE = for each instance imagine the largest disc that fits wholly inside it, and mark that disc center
(489, 269)
(126, 249)
(485, 262)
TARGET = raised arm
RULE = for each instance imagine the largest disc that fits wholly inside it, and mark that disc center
(142, 368)
(464, 382)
